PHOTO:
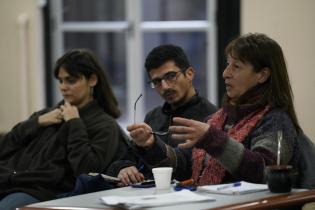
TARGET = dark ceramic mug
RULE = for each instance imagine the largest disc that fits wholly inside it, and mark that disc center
(279, 178)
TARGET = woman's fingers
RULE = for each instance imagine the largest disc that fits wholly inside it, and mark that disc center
(182, 121)
(187, 144)
(181, 136)
(181, 129)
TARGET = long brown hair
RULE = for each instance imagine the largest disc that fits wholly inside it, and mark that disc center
(263, 52)
(82, 62)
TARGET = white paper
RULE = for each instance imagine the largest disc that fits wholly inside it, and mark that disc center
(106, 177)
(134, 202)
(244, 188)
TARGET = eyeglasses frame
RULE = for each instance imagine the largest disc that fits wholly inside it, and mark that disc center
(167, 81)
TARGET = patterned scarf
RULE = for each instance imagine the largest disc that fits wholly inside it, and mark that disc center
(208, 170)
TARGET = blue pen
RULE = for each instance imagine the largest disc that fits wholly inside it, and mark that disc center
(235, 184)
(141, 167)
(188, 187)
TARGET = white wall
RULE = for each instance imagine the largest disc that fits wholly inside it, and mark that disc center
(20, 29)
(292, 24)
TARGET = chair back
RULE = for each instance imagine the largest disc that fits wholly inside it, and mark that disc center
(304, 162)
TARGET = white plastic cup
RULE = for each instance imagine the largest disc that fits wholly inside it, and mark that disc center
(162, 177)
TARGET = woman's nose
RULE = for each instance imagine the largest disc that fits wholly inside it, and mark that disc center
(226, 72)
(62, 86)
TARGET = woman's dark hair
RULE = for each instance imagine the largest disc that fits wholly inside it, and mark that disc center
(82, 62)
(263, 52)
(163, 53)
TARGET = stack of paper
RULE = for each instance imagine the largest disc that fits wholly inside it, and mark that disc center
(238, 188)
(134, 202)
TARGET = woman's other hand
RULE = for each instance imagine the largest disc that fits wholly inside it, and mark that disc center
(188, 130)
(50, 118)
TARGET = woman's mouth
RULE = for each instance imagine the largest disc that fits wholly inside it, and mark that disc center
(66, 96)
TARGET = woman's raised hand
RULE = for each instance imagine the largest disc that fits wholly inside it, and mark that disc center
(188, 130)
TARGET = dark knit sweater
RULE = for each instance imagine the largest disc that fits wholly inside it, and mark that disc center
(243, 161)
(45, 161)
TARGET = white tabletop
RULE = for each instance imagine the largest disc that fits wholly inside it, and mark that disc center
(92, 200)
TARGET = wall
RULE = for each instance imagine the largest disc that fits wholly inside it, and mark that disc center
(291, 24)
(21, 81)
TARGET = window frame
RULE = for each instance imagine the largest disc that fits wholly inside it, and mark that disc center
(135, 27)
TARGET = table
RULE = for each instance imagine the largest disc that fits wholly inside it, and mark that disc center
(258, 200)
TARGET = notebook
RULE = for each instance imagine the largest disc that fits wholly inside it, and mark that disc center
(237, 188)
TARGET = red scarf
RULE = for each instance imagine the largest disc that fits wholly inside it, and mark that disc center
(212, 172)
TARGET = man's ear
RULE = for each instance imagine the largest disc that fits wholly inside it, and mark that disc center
(264, 74)
(93, 80)
(190, 73)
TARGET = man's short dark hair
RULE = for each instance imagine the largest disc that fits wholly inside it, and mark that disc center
(163, 53)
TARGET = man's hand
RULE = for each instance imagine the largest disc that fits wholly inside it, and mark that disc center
(130, 175)
(188, 130)
(50, 118)
(141, 134)
(69, 112)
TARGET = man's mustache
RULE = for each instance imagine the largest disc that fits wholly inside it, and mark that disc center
(167, 92)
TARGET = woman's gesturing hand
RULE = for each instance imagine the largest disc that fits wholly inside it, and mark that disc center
(188, 130)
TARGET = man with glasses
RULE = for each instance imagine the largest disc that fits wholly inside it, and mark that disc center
(171, 76)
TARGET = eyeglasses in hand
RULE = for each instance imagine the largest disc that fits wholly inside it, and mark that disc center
(159, 133)
(163, 133)
(135, 109)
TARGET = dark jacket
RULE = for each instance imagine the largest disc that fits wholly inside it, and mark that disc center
(197, 108)
(44, 161)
